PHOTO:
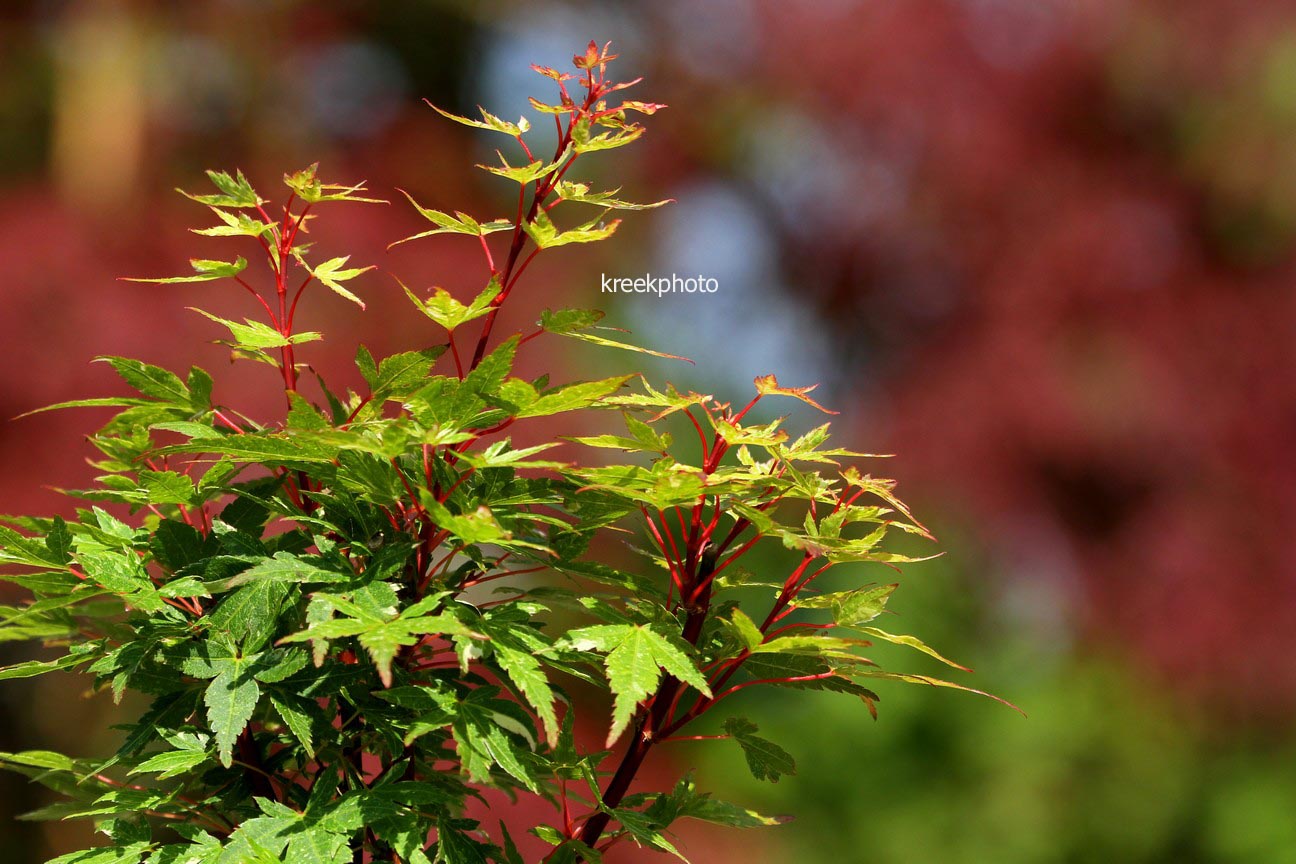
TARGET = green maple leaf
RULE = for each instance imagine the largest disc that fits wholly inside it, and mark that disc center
(231, 698)
(636, 656)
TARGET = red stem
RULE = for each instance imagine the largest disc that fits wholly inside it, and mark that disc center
(520, 236)
(454, 351)
(264, 305)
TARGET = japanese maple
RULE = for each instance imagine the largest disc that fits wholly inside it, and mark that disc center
(351, 619)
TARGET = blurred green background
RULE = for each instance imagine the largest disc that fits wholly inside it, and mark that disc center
(1041, 250)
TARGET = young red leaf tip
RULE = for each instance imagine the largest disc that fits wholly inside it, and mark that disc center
(593, 57)
(550, 72)
(642, 107)
(767, 385)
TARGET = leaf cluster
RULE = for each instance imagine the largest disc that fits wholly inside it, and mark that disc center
(350, 620)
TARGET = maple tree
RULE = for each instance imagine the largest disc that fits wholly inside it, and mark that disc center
(351, 619)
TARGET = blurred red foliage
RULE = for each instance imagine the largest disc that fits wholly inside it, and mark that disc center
(1074, 318)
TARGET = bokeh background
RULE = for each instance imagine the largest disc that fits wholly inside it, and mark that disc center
(1042, 250)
